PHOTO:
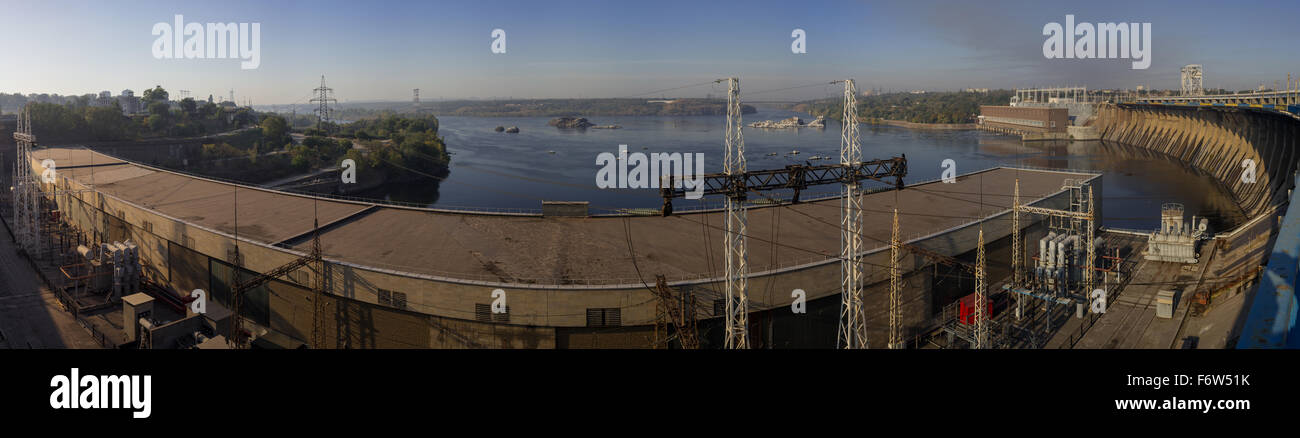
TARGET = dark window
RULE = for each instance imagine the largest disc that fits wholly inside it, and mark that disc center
(719, 307)
(605, 317)
(483, 312)
(392, 299)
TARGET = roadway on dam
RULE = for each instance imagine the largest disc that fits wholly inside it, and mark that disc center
(547, 250)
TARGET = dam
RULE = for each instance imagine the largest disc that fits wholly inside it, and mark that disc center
(402, 277)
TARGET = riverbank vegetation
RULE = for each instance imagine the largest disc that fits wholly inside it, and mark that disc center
(81, 120)
(933, 107)
(549, 108)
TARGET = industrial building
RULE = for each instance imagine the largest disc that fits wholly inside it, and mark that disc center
(399, 277)
(1024, 120)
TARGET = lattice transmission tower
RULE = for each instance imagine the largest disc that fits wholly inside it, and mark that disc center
(853, 327)
(981, 337)
(324, 96)
(737, 305)
(26, 194)
(895, 286)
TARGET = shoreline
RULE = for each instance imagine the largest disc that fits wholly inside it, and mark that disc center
(924, 126)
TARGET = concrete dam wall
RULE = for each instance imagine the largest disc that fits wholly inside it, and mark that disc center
(1216, 141)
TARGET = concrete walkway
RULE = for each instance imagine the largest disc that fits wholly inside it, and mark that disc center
(30, 316)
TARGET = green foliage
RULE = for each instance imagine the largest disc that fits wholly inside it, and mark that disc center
(106, 123)
(275, 129)
(155, 94)
(937, 107)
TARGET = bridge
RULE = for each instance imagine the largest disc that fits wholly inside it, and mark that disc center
(1287, 101)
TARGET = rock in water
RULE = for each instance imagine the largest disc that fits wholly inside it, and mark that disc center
(571, 123)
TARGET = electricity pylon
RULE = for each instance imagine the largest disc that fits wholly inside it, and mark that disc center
(26, 190)
(1016, 251)
(323, 99)
(895, 283)
(737, 306)
(853, 327)
(981, 329)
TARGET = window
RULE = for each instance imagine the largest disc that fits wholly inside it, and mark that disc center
(604, 317)
(392, 299)
(299, 276)
(148, 226)
(483, 313)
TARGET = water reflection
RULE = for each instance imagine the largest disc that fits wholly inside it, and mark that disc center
(541, 162)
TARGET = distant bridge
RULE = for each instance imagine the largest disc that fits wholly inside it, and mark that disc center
(1282, 101)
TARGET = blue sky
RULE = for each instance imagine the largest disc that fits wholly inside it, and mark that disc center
(380, 50)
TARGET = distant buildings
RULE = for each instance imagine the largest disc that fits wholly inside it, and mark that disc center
(978, 90)
(128, 101)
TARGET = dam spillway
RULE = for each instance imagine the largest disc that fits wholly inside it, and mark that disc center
(1217, 141)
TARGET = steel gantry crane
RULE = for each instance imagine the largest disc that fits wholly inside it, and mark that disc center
(736, 181)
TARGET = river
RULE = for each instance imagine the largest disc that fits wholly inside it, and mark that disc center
(517, 171)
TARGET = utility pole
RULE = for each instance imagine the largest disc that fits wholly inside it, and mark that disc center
(323, 99)
(737, 305)
(853, 328)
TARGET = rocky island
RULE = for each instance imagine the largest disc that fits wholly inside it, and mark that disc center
(793, 122)
(571, 123)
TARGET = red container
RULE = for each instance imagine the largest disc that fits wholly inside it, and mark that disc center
(966, 309)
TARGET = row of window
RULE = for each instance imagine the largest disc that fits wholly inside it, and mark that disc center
(1015, 121)
(597, 317)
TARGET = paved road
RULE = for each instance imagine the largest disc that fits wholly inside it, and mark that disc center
(29, 313)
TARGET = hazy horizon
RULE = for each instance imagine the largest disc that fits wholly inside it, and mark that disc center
(378, 52)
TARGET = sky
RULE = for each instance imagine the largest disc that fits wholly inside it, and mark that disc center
(380, 50)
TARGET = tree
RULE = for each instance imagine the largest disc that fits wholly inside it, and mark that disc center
(244, 116)
(274, 129)
(106, 123)
(154, 94)
(161, 109)
(209, 110)
(189, 107)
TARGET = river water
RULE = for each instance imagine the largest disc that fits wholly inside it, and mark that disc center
(517, 171)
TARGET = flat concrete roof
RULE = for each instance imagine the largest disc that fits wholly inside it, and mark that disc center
(554, 250)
